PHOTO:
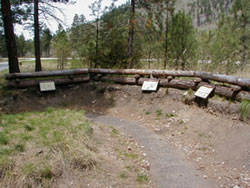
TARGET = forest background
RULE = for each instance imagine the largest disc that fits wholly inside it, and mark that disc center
(207, 35)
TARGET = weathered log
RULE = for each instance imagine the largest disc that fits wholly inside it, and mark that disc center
(46, 74)
(228, 92)
(243, 82)
(155, 73)
(223, 91)
(141, 80)
(119, 80)
(243, 95)
(179, 84)
(58, 81)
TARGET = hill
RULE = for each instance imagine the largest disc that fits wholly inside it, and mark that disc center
(205, 13)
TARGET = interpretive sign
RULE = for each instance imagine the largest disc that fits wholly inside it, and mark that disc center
(150, 86)
(47, 86)
(204, 92)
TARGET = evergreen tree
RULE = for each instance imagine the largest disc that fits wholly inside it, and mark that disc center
(38, 66)
(183, 40)
(62, 47)
(169, 12)
(113, 49)
(46, 39)
(96, 12)
(225, 46)
(241, 9)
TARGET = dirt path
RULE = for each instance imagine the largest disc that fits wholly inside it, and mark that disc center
(168, 170)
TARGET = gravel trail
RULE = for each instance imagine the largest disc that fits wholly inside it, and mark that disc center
(168, 169)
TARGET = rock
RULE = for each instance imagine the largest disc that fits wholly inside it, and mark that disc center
(236, 186)
(198, 159)
(156, 129)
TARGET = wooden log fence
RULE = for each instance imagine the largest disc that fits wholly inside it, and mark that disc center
(227, 86)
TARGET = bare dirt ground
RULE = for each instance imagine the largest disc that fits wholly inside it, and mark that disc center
(213, 139)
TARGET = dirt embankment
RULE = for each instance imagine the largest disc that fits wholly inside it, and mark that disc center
(212, 138)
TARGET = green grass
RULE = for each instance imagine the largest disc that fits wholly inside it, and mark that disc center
(44, 138)
(123, 175)
(141, 178)
(169, 115)
(114, 132)
(4, 140)
(167, 91)
(158, 113)
(182, 121)
(190, 92)
(245, 109)
(131, 155)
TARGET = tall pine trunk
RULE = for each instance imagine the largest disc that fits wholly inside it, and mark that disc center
(37, 36)
(166, 38)
(131, 34)
(10, 36)
(97, 43)
(244, 44)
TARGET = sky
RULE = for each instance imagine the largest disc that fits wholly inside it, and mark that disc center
(69, 10)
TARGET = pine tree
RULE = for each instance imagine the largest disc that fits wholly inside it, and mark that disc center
(241, 9)
(183, 42)
(61, 46)
(9, 36)
(96, 12)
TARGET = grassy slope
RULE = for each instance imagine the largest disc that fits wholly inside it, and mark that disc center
(60, 147)
(32, 145)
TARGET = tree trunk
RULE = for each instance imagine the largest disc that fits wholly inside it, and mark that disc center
(166, 38)
(131, 34)
(244, 53)
(37, 36)
(97, 42)
(183, 63)
(177, 63)
(244, 41)
(10, 36)
(149, 59)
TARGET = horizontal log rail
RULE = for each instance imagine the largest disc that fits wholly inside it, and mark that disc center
(42, 74)
(243, 82)
(233, 87)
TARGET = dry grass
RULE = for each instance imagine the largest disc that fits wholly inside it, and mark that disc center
(37, 148)
(29, 66)
(61, 148)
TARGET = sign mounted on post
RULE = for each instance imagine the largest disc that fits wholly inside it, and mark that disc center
(47, 86)
(204, 91)
(150, 85)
